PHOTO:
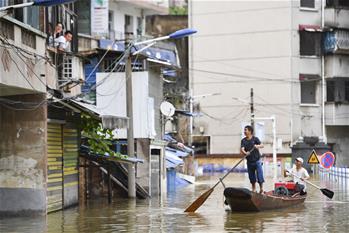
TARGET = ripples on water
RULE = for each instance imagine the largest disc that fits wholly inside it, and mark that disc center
(317, 214)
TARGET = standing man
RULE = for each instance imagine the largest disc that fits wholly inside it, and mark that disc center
(250, 146)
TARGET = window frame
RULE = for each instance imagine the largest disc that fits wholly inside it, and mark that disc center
(317, 45)
(307, 7)
(307, 78)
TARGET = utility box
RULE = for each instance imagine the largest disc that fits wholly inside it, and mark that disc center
(305, 146)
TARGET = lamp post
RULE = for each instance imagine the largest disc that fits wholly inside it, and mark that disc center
(129, 98)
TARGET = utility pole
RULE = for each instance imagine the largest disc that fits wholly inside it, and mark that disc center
(130, 136)
(252, 108)
(190, 138)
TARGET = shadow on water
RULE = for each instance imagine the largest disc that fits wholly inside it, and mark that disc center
(317, 214)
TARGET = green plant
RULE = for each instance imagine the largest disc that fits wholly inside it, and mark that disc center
(98, 138)
(177, 10)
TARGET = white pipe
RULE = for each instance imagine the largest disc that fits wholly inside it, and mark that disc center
(274, 147)
(323, 76)
(190, 139)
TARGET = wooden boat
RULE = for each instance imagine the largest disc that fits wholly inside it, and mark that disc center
(242, 199)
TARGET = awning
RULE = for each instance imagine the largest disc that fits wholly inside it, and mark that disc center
(85, 151)
(172, 160)
(178, 153)
(309, 28)
(108, 121)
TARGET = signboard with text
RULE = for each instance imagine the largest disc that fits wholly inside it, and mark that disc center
(99, 17)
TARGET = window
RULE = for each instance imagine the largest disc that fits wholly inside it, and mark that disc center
(330, 86)
(139, 26)
(128, 25)
(3, 3)
(28, 38)
(310, 43)
(308, 3)
(337, 3)
(308, 88)
(346, 90)
(83, 10)
(7, 30)
(111, 25)
(28, 15)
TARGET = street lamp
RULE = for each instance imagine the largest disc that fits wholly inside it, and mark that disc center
(129, 101)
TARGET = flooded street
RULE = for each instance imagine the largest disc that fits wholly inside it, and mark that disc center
(317, 214)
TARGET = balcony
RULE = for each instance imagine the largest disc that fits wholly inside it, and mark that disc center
(22, 66)
(336, 42)
(337, 114)
(336, 66)
(337, 18)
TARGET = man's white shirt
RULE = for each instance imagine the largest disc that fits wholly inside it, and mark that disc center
(302, 173)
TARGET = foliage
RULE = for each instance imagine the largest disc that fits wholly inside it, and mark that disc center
(98, 138)
(177, 10)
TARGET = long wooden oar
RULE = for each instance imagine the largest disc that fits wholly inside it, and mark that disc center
(200, 200)
(328, 193)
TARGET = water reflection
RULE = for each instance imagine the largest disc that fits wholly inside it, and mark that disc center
(318, 214)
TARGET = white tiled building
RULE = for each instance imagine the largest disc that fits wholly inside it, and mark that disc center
(274, 47)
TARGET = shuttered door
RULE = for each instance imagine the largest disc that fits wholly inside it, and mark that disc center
(70, 164)
(55, 166)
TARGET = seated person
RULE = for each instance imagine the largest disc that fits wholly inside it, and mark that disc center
(298, 171)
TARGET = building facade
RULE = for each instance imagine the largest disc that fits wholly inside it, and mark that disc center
(277, 49)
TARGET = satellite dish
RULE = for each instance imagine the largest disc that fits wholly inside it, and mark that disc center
(167, 109)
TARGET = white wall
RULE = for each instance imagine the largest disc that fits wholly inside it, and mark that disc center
(251, 43)
(111, 100)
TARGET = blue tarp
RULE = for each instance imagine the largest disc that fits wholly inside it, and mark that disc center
(51, 2)
(154, 53)
(178, 153)
(172, 160)
(336, 41)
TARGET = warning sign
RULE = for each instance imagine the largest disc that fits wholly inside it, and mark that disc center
(313, 159)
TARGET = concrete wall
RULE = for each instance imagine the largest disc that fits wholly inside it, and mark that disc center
(23, 72)
(256, 45)
(23, 159)
(156, 92)
(338, 137)
(143, 169)
(252, 50)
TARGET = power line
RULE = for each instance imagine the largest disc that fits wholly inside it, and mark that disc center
(254, 78)
(243, 33)
(244, 58)
(241, 11)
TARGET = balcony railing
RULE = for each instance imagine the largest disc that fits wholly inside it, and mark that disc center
(336, 42)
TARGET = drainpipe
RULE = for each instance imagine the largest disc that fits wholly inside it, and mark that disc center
(323, 3)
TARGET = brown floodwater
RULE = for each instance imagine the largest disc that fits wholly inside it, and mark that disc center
(318, 214)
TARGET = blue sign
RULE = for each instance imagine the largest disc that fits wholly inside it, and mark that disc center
(327, 159)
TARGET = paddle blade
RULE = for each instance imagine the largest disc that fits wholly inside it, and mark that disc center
(199, 201)
(327, 193)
